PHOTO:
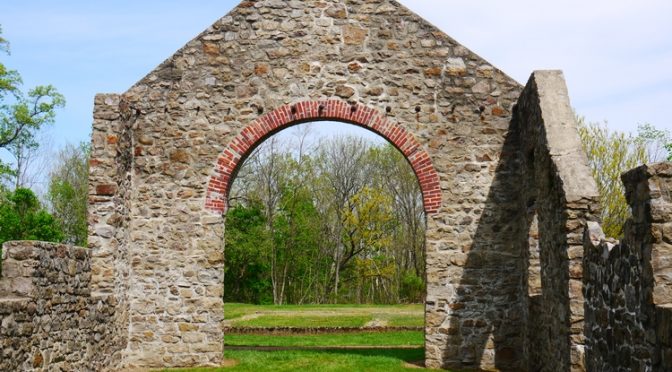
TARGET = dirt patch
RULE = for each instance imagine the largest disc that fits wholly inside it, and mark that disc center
(228, 363)
(419, 364)
(376, 323)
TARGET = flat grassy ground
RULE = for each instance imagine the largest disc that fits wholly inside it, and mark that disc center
(328, 360)
(244, 315)
(397, 338)
(351, 352)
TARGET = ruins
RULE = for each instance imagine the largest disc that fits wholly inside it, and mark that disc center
(512, 284)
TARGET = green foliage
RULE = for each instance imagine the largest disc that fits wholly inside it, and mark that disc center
(610, 153)
(412, 288)
(23, 218)
(246, 268)
(656, 141)
(68, 192)
(22, 114)
(337, 225)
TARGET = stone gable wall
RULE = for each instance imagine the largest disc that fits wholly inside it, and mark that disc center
(627, 285)
(48, 318)
(506, 189)
(166, 249)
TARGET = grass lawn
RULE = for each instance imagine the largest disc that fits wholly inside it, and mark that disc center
(399, 347)
(401, 338)
(328, 360)
(244, 315)
(306, 321)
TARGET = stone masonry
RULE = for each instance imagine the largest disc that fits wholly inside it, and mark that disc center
(559, 197)
(164, 152)
(49, 319)
(628, 285)
(506, 190)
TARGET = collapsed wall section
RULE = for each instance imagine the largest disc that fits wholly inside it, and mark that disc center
(628, 286)
(49, 319)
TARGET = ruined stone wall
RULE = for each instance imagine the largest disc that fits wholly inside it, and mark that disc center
(628, 286)
(48, 318)
(559, 190)
(268, 54)
(108, 205)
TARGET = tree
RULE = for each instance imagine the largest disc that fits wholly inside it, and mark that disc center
(367, 230)
(610, 153)
(343, 223)
(23, 218)
(656, 142)
(246, 255)
(68, 192)
(23, 114)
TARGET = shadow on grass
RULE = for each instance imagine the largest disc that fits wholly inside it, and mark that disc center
(323, 360)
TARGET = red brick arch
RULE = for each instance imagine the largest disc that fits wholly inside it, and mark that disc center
(337, 110)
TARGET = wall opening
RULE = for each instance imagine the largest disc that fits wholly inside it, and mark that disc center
(324, 225)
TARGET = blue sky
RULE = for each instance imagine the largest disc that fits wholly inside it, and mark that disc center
(617, 55)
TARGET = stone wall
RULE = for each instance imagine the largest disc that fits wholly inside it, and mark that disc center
(158, 240)
(558, 197)
(628, 286)
(109, 203)
(48, 318)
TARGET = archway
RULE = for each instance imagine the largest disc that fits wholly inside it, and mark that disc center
(165, 151)
(288, 115)
(241, 146)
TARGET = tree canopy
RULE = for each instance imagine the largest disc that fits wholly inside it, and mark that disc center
(22, 217)
(341, 222)
(22, 113)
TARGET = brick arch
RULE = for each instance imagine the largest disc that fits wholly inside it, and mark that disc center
(306, 111)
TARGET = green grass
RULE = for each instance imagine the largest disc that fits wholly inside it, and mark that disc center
(323, 361)
(322, 315)
(400, 320)
(236, 310)
(304, 321)
(365, 359)
(403, 338)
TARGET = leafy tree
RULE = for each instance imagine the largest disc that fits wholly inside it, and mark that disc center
(22, 114)
(610, 153)
(68, 192)
(23, 218)
(247, 243)
(656, 141)
(412, 288)
(367, 228)
(296, 235)
(340, 223)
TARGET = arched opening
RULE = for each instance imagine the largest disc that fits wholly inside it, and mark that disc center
(286, 116)
(286, 246)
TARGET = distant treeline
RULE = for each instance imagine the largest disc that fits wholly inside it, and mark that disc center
(342, 222)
